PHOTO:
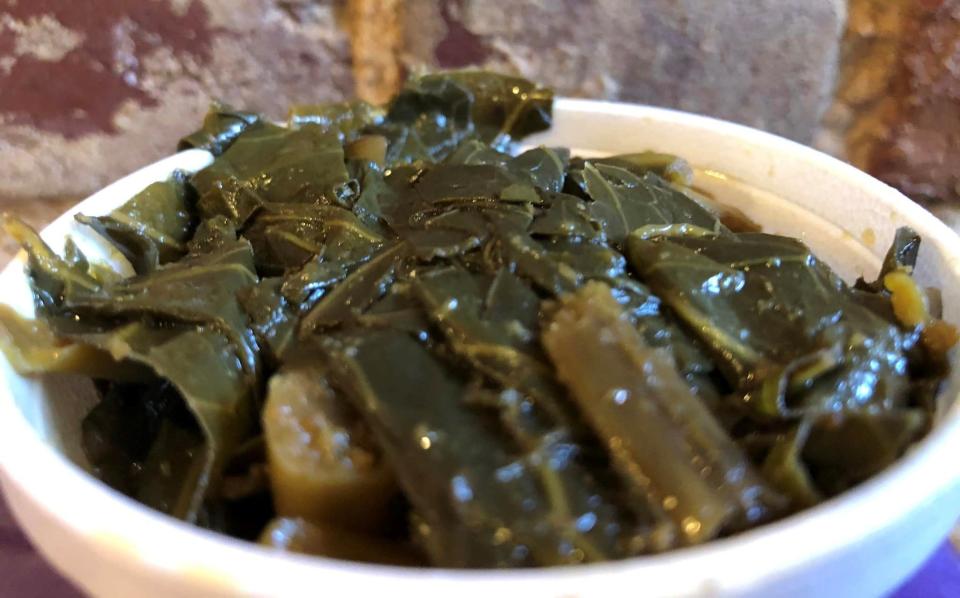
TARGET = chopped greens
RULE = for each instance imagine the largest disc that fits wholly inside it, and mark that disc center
(382, 333)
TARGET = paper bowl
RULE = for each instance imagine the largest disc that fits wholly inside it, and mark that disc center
(862, 543)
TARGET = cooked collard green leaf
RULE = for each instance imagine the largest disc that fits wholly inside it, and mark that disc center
(152, 228)
(269, 164)
(221, 127)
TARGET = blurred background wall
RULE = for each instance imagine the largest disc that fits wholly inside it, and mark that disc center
(92, 89)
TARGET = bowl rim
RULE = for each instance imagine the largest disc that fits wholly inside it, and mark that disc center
(126, 528)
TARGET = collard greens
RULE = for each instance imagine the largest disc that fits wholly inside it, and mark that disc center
(470, 355)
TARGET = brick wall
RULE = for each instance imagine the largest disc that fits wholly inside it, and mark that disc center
(897, 108)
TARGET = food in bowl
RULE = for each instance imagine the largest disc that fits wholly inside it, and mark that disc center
(380, 334)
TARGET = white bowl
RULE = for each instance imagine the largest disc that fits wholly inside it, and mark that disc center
(863, 543)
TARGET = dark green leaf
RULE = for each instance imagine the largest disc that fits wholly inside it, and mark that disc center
(271, 316)
(305, 286)
(565, 216)
(346, 119)
(372, 187)
(623, 201)
(785, 469)
(473, 151)
(508, 299)
(201, 363)
(433, 114)
(503, 108)
(667, 166)
(399, 311)
(286, 236)
(213, 235)
(199, 289)
(832, 452)
(52, 278)
(357, 291)
(782, 327)
(527, 258)
(212, 362)
(119, 431)
(270, 164)
(221, 127)
(541, 167)
(902, 255)
(152, 227)
(844, 449)
(464, 483)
